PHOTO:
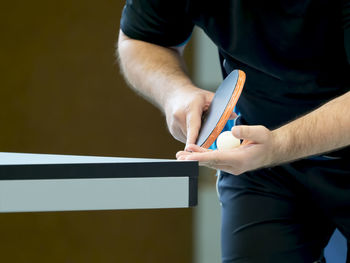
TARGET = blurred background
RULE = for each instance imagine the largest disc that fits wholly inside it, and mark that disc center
(62, 93)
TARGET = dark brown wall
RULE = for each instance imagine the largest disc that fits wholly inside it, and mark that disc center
(61, 92)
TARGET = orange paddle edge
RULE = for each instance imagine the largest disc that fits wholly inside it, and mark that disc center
(228, 110)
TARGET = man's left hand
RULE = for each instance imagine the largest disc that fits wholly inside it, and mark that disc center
(256, 151)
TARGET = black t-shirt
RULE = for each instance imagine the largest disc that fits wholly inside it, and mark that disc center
(295, 53)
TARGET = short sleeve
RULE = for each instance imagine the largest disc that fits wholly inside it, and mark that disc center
(346, 26)
(162, 22)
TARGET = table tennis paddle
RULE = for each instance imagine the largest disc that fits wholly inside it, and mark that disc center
(220, 109)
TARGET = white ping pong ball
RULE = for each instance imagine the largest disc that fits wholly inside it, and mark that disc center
(226, 141)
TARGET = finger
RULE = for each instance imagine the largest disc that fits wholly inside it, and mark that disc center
(227, 157)
(233, 116)
(182, 154)
(256, 134)
(196, 148)
(207, 158)
(193, 124)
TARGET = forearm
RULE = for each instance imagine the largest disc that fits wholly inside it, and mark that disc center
(325, 129)
(154, 71)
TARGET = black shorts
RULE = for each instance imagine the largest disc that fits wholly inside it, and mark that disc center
(284, 214)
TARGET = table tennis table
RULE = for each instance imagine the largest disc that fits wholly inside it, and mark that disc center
(52, 182)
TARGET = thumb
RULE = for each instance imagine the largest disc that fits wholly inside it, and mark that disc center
(255, 133)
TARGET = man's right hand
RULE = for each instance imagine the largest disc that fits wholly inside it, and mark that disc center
(159, 74)
(184, 112)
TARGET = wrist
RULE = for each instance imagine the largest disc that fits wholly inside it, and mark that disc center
(280, 146)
